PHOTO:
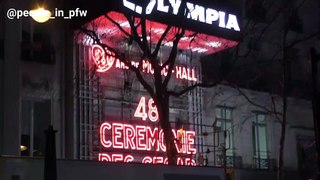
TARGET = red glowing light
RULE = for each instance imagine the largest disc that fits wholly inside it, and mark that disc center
(117, 157)
(189, 137)
(152, 139)
(190, 162)
(161, 144)
(103, 61)
(200, 43)
(158, 160)
(185, 73)
(153, 111)
(147, 160)
(165, 161)
(141, 111)
(179, 161)
(131, 133)
(117, 135)
(103, 141)
(143, 138)
(128, 158)
(104, 157)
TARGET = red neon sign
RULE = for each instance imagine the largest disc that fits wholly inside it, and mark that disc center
(144, 138)
(115, 158)
(141, 111)
(130, 132)
(146, 160)
(201, 43)
(105, 61)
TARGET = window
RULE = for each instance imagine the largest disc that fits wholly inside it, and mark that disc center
(259, 134)
(224, 123)
(35, 118)
(36, 43)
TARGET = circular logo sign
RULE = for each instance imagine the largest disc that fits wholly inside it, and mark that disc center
(104, 59)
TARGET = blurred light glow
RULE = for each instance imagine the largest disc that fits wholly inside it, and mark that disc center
(23, 148)
(40, 14)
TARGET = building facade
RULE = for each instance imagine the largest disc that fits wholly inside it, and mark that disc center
(49, 77)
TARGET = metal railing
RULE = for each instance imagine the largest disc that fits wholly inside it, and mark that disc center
(231, 161)
(264, 163)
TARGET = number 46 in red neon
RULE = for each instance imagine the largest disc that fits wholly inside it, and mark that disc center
(141, 111)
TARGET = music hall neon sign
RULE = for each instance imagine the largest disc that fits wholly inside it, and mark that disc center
(105, 60)
(143, 138)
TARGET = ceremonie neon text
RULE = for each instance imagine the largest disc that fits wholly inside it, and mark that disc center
(144, 138)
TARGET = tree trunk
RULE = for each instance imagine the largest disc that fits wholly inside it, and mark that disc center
(286, 78)
(282, 141)
(168, 134)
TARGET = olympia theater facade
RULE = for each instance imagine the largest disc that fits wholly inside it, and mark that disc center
(103, 114)
(96, 103)
(115, 118)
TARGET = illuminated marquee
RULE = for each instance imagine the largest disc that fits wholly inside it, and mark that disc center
(143, 138)
(195, 12)
(105, 61)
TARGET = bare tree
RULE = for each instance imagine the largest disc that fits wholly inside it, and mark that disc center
(159, 90)
(286, 14)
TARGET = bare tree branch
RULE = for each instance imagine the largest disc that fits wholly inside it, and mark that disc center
(189, 88)
(310, 36)
(263, 32)
(168, 62)
(274, 107)
(250, 101)
(144, 83)
(158, 46)
(135, 36)
(121, 58)
(118, 25)
(91, 34)
(144, 37)
(172, 57)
